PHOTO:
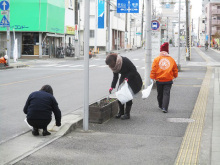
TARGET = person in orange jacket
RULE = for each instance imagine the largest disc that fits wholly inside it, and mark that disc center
(164, 70)
(90, 53)
(3, 60)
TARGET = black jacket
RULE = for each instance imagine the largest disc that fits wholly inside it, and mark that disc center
(129, 71)
(40, 105)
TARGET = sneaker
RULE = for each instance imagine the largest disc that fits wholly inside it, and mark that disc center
(164, 110)
(160, 107)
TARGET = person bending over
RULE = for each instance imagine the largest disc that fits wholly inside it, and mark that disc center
(39, 107)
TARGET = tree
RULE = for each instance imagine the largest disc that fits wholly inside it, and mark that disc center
(216, 35)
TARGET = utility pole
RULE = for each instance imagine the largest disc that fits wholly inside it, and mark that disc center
(8, 36)
(149, 44)
(86, 66)
(142, 24)
(77, 53)
(126, 30)
(108, 25)
(178, 63)
(96, 24)
(167, 31)
(187, 31)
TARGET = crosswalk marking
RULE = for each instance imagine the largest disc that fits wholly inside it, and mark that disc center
(73, 66)
(66, 66)
(103, 66)
(59, 66)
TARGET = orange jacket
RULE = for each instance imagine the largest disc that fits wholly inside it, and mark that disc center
(2, 60)
(164, 68)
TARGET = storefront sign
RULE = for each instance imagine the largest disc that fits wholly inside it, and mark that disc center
(70, 30)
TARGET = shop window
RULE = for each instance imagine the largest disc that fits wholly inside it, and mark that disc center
(30, 43)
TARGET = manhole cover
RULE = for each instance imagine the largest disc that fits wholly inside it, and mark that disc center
(180, 120)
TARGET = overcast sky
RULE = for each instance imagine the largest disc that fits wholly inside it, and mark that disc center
(196, 8)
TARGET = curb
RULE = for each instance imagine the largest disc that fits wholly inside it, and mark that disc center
(20, 147)
(11, 67)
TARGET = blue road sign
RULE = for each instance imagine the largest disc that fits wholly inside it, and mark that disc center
(155, 25)
(127, 6)
(4, 22)
(4, 5)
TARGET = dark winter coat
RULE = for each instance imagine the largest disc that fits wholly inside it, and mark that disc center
(129, 71)
(40, 105)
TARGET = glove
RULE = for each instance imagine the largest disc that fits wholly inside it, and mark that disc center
(110, 90)
(126, 79)
(58, 124)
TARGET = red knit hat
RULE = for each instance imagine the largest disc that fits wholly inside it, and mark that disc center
(165, 47)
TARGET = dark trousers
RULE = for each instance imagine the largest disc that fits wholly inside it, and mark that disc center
(129, 103)
(39, 124)
(163, 95)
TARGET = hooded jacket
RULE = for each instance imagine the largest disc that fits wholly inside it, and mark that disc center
(164, 68)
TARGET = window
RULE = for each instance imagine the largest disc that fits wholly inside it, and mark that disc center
(92, 33)
(29, 41)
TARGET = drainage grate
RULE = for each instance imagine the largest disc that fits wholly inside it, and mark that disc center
(180, 120)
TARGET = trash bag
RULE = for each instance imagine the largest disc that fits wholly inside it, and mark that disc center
(146, 92)
(25, 120)
(124, 94)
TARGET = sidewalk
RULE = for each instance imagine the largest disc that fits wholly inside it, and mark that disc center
(188, 134)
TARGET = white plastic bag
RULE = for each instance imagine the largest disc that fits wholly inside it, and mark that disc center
(25, 120)
(124, 94)
(146, 92)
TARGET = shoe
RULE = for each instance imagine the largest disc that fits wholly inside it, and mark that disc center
(124, 117)
(164, 110)
(35, 132)
(45, 133)
(118, 116)
(160, 107)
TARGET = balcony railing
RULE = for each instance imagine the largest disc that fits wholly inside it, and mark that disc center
(215, 22)
(215, 11)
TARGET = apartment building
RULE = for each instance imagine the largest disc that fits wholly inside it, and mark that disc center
(213, 23)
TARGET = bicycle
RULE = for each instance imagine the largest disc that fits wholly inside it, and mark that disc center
(70, 51)
(60, 52)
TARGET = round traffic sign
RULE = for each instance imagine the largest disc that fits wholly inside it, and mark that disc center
(155, 25)
(4, 5)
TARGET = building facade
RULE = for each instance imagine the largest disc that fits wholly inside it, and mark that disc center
(39, 27)
(213, 23)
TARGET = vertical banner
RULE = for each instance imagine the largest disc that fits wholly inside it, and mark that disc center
(101, 14)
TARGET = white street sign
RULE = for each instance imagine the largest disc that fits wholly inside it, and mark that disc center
(4, 12)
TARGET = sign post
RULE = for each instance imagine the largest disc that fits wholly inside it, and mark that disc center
(5, 22)
(127, 6)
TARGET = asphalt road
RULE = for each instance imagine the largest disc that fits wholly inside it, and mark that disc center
(66, 78)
